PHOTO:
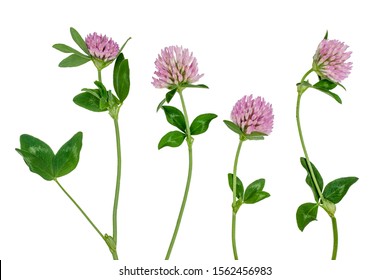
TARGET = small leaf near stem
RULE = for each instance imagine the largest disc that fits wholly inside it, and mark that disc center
(89, 102)
(254, 192)
(233, 127)
(337, 189)
(306, 213)
(175, 117)
(172, 139)
(309, 179)
(201, 123)
(239, 186)
(121, 77)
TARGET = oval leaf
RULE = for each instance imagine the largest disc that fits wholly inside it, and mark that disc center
(239, 185)
(37, 155)
(257, 197)
(233, 127)
(175, 117)
(88, 101)
(67, 157)
(74, 60)
(79, 40)
(201, 123)
(172, 139)
(122, 77)
(254, 192)
(306, 213)
(309, 179)
(337, 189)
(325, 84)
(118, 61)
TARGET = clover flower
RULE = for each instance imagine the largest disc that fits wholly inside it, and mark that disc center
(329, 60)
(253, 115)
(101, 47)
(175, 66)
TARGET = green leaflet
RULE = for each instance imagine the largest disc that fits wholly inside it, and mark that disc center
(175, 117)
(239, 186)
(172, 139)
(306, 213)
(41, 160)
(337, 189)
(254, 192)
(201, 123)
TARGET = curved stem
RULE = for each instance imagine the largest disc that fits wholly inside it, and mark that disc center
(234, 208)
(118, 182)
(306, 74)
(183, 204)
(301, 90)
(81, 210)
(335, 237)
(300, 93)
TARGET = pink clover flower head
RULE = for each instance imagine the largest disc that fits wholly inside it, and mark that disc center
(253, 115)
(175, 66)
(329, 61)
(101, 47)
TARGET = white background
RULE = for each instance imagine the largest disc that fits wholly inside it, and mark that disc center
(243, 47)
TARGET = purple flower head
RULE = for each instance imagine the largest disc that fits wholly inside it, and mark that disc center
(175, 66)
(101, 47)
(329, 61)
(253, 115)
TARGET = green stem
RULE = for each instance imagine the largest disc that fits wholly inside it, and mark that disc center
(114, 254)
(81, 210)
(183, 204)
(118, 177)
(234, 236)
(306, 74)
(118, 182)
(301, 90)
(99, 75)
(235, 171)
(300, 93)
(234, 200)
(335, 237)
